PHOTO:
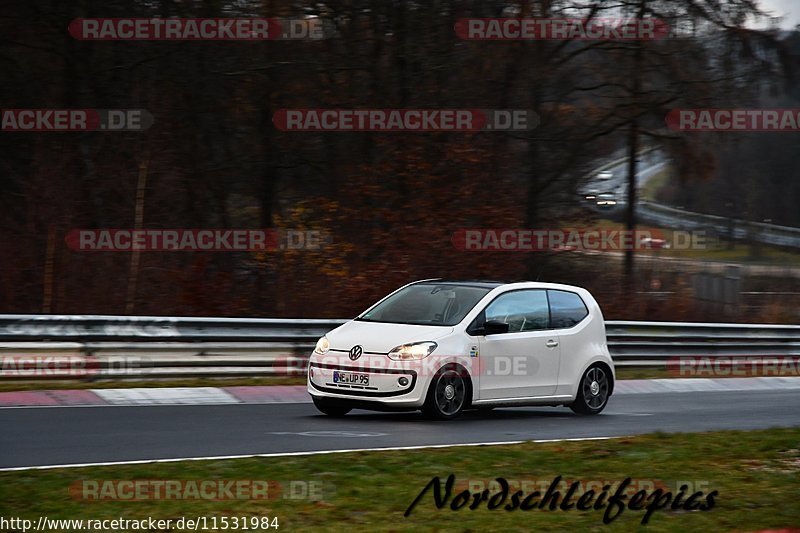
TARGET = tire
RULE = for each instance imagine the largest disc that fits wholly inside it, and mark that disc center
(593, 391)
(331, 407)
(449, 394)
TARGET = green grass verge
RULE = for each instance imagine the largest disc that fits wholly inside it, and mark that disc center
(756, 474)
(626, 372)
(658, 180)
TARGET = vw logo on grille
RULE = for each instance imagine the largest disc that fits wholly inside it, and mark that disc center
(355, 352)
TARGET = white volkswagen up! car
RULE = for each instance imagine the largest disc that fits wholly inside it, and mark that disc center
(445, 346)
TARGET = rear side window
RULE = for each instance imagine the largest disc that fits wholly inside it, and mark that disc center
(566, 309)
(523, 310)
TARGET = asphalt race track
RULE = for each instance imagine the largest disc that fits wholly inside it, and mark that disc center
(79, 435)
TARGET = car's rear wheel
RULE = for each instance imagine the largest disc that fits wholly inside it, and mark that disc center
(331, 407)
(593, 391)
(448, 394)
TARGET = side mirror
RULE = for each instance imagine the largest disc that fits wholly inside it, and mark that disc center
(492, 327)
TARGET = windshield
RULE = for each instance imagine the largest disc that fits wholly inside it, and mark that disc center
(429, 304)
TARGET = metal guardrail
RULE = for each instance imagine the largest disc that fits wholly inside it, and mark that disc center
(102, 347)
(658, 344)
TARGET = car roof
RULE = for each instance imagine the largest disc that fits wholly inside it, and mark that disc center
(493, 284)
(484, 283)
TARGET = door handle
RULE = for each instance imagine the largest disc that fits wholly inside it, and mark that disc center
(551, 343)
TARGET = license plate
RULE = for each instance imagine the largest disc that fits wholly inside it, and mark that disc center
(350, 378)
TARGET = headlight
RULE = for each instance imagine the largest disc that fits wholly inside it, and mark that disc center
(322, 346)
(415, 350)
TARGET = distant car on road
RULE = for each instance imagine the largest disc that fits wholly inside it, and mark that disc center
(446, 346)
(605, 175)
(600, 180)
(655, 243)
(606, 200)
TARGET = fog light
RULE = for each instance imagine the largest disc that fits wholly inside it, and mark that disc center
(402, 382)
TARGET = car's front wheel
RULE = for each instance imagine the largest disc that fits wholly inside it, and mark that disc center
(448, 394)
(593, 391)
(331, 407)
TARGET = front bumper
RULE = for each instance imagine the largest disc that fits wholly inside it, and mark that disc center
(384, 385)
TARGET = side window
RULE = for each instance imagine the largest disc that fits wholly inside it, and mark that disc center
(566, 309)
(524, 310)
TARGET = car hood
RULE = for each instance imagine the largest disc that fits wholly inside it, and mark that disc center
(381, 337)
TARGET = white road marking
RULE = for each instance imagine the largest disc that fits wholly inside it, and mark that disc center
(331, 433)
(166, 396)
(299, 454)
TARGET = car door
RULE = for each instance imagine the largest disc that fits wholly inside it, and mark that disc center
(567, 318)
(524, 361)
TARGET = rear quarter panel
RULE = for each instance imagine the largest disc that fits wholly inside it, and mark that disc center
(581, 346)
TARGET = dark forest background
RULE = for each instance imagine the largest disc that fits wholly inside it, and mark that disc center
(388, 202)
